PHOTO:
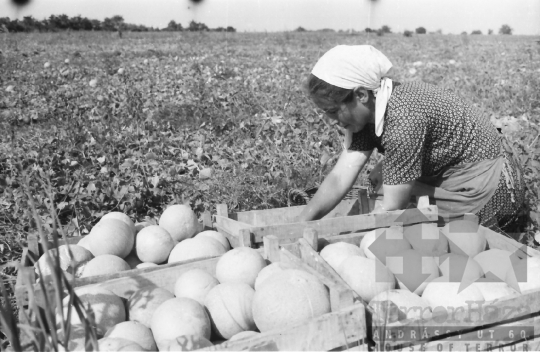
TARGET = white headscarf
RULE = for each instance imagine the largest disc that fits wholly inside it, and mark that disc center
(352, 66)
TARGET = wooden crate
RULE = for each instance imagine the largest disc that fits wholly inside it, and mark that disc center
(344, 327)
(26, 275)
(249, 228)
(500, 319)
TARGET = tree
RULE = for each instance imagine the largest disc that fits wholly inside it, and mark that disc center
(300, 29)
(385, 29)
(368, 30)
(490, 31)
(505, 29)
(420, 30)
(476, 32)
(408, 33)
(173, 26)
(230, 29)
(197, 27)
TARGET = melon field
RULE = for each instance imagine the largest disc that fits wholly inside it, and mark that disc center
(93, 123)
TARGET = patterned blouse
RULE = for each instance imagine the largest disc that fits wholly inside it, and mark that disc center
(426, 129)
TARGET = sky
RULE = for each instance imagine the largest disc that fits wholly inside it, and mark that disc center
(450, 16)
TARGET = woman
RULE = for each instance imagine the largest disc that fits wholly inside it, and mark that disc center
(433, 142)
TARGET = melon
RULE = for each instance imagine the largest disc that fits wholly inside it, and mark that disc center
(111, 236)
(492, 290)
(464, 237)
(524, 274)
(153, 244)
(187, 343)
(217, 236)
(84, 242)
(334, 254)
(179, 316)
(146, 265)
(496, 261)
(412, 270)
(72, 260)
(383, 243)
(427, 239)
(367, 277)
(440, 292)
(240, 265)
(108, 308)
(105, 264)
(230, 309)
(133, 331)
(77, 338)
(143, 303)
(180, 221)
(141, 225)
(196, 248)
(122, 217)
(460, 268)
(266, 272)
(195, 284)
(404, 304)
(288, 298)
(244, 335)
(113, 344)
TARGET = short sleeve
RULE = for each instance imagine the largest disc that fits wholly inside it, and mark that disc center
(365, 139)
(404, 141)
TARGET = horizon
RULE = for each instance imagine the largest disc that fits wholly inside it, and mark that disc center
(449, 16)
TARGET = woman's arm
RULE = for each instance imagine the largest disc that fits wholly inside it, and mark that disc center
(396, 197)
(336, 185)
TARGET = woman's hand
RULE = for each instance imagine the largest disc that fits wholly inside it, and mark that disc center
(376, 178)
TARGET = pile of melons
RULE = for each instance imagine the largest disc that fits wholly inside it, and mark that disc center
(245, 297)
(422, 267)
(117, 244)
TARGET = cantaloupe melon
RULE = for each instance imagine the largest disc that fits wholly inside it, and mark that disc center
(496, 261)
(196, 248)
(287, 298)
(84, 242)
(367, 277)
(464, 237)
(180, 221)
(492, 290)
(524, 274)
(408, 306)
(108, 308)
(105, 264)
(115, 344)
(73, 259)
(195, 284)
(413, 270)
(111, 236)
(383, 243)
(460, 268)
(122, 217)
(76, 340)
(334, 254)
(440, 292)
(143, 303)
(133, 331)
(240, 265)
(230, 309)
(427, 239)
(153, 244)
(187, 343)
(179, 316)
(141, 225)
(217, 236)
(244, 335)
(146, 265)
(266, 272)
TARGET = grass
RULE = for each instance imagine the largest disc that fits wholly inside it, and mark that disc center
(230, 103)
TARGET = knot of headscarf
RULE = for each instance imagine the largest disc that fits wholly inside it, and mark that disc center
(352, 66)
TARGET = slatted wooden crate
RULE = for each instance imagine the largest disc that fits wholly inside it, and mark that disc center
(511, 323)
(343, 328)
(249, 228)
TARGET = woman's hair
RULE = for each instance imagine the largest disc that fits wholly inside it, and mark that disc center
(316, 87)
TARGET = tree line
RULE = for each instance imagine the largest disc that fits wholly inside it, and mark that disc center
(56, 23)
